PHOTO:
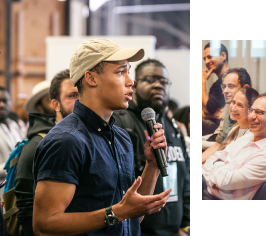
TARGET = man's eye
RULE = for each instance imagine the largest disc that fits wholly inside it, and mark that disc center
(230, 86)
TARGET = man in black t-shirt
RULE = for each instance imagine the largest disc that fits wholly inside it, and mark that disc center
(151, 89)
(215, 64)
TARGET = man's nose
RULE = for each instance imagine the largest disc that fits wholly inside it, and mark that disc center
(130, 82)
(225, 90)
(157, 83)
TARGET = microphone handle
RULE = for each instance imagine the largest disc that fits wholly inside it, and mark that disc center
(159, 153)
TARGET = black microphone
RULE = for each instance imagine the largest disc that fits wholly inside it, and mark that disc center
(148, 115)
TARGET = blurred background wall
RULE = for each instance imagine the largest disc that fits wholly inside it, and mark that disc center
(29, 22)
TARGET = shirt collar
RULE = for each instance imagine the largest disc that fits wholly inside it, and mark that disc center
(261, 143)
(91, 118)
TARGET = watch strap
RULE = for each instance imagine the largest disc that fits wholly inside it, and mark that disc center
(109, 211)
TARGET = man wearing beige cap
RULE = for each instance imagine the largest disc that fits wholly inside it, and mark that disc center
(83, 169)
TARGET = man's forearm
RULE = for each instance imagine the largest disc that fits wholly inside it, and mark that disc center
(70, 223)
(149, 179)
(210, 151)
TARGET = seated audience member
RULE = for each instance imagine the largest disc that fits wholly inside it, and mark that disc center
(39, 102)
(239, 170)
(233, 79)
(242, 101)
(213, 101)
(63, 95)
(10, 132)
(238, 108)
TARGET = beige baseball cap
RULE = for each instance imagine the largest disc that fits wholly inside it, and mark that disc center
(90, 53)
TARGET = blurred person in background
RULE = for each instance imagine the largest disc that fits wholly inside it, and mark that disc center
(10, 132)
(63, 95)
(23, 117)
(152, 89)
(183, 115)
(213, 102)
(40, 102)
(170, 110)
(172, 107)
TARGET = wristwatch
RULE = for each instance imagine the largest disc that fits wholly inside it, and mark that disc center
(110, 217)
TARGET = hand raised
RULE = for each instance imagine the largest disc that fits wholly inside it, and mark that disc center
(206, 75)
(135, 205)
(157, 140)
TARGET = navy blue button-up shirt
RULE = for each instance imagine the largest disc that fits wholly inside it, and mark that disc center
(97, 157)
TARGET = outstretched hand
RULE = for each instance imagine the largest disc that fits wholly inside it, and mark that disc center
(135, 205)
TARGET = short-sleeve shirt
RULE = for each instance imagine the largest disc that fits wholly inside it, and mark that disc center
(227, 125)
(216, 98)
(97, 157)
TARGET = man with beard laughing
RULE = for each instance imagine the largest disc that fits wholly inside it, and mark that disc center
(151, 89)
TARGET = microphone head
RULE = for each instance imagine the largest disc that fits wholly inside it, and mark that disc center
(148, 114)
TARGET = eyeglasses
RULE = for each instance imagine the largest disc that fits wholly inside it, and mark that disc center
(230, 86)
(153, 78)
(257, 112)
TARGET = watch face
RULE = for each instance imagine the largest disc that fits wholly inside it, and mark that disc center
(111, 220)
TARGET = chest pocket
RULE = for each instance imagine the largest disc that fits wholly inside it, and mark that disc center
(127, 162)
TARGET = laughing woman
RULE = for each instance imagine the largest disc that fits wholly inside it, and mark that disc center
(239, 106)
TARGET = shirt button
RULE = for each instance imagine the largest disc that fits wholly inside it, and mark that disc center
(110, 143)
(119, 166)
(123, 192)
(99, 129)
(104, 124)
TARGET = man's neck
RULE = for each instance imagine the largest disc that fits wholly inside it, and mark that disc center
(100, 110)
(243, 124)
(258, 138)
(4, 121)
(224, 68)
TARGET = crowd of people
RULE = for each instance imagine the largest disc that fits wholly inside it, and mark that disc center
(88, 167)
(234, 132)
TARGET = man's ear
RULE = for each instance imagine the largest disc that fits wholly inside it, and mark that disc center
(56, 105)
(90, 78)
(223, 55)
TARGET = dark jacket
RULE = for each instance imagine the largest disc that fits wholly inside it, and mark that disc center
(216, 97)
(175, 214)
(39, 123)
